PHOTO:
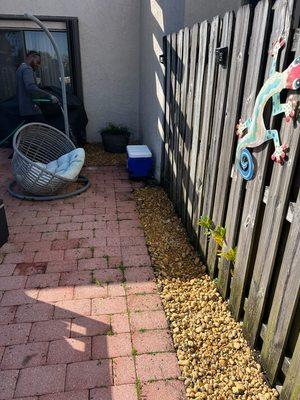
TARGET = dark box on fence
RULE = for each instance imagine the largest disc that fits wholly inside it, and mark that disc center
(3, 225)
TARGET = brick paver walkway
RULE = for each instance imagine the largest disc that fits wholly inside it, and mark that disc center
(80, 314)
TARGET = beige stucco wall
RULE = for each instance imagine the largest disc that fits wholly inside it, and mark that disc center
(199, 10)
(109, 40)
(121, 41)
(158, 18)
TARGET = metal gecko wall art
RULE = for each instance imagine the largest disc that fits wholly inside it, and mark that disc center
(257, 133)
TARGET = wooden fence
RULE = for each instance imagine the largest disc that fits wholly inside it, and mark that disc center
(204, 101)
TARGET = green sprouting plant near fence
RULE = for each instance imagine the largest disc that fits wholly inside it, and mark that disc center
(218, 233)
(206, 223)
(229, 255)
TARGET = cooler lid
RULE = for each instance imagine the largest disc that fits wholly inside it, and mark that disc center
(138, 151)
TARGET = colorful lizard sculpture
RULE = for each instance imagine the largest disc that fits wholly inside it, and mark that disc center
(256, 129)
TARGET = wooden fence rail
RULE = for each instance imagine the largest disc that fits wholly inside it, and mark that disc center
(204, 101)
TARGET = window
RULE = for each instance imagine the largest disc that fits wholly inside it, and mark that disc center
(16, 40)
(11, 55)
(13, 47)
(48, 73)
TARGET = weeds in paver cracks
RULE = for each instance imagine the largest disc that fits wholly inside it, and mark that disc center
(106, 257)
(122, 268)
(94, 280)
(142, 330)
(134, 352)
(110, 332)
(138, 387)
(92, 248)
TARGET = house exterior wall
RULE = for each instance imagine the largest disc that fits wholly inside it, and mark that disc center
(157, 19)
(199, 10)
(120, 41)
(109, 42)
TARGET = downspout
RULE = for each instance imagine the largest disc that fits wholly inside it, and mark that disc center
(61, 69)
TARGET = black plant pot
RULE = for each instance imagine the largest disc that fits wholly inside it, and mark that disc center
(115, 142)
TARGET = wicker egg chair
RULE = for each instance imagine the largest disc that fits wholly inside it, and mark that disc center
(35, 145)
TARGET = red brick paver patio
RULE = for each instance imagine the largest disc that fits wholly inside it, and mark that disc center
(79, 310)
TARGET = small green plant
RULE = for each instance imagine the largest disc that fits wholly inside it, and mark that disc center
(229, 255)
(206, 223)
(122, 268)
(134, 352)
(106, 257)
(110, 332)
(142, 330)
(94, 280)
(218, 233)
(138, 387)
(116, 130)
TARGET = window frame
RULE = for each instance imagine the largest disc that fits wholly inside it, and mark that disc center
(72, 30)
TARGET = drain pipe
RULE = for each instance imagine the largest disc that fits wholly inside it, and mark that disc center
(61, 70)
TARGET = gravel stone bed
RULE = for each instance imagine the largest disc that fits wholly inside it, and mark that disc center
(215, 360)
(96, 156)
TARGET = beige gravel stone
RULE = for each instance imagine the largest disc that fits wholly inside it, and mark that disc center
(215, 361)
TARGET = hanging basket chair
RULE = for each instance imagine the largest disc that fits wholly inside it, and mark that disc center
(45, 160)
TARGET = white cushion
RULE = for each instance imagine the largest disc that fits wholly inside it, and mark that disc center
(67, 166)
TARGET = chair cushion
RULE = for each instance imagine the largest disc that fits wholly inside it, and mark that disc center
(67, 166)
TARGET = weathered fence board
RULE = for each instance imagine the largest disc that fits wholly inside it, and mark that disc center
(217, 118)
(255, 188)
(291, 386)
(203, 104)
(271, 227)
(254, 78)
(178, 79)
(173, 66)
(189, 116)
(198, 106)
(168, 112)
(182, 116)
(286, 298)
(206, 115)
(233, 106)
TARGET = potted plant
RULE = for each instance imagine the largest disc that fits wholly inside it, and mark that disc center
(115, 138)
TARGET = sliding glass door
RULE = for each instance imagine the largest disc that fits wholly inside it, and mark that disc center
(14, 44)
(11, 55)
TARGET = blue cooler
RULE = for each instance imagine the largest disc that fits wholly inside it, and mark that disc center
(139, 161)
